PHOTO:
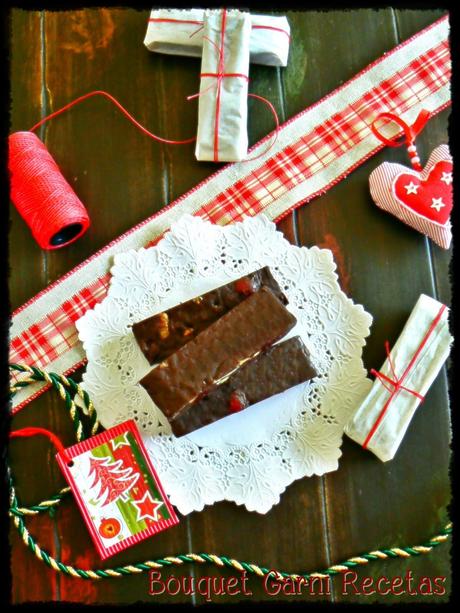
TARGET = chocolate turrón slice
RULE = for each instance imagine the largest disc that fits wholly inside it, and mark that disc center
(204, 362)
(271, 372)
(161, 335)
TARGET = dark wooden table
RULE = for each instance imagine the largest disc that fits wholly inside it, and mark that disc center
(123, 178)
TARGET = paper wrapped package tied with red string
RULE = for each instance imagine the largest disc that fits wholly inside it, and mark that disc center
(222, 134)
(382, 419)
(180, 32)
(420, 197)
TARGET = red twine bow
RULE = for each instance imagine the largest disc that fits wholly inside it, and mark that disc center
(410, 132)
(397, 383)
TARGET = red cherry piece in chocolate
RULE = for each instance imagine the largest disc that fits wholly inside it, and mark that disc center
(244, 286)
(238, 402)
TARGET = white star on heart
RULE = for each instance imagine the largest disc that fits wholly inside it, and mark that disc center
(411, 188)
(437, 204)
(447, 178)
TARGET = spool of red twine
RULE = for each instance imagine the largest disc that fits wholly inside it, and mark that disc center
(43, 197)
(39, 191)
(45, 200)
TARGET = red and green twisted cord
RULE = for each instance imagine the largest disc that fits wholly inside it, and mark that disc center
(65, 387)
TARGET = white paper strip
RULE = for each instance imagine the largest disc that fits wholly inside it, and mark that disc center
(381, 421)
(180, 32)
(223, 102)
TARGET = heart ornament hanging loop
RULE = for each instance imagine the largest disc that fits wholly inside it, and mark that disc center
(420, 197)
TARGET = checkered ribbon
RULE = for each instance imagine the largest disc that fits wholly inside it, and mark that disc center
(314, 150)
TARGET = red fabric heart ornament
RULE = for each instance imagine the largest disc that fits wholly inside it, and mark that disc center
(422, 199)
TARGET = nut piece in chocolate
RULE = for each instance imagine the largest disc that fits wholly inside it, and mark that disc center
(162, 334)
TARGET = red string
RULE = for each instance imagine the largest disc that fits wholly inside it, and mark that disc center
(218, 75)
(198, 23)
(32, 431)
(410, 132)
(166, 20)
(396, 383)
(277, 126)
(261, 27)
(219, 85)
(120, 108)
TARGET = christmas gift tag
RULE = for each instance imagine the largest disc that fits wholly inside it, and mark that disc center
(421, 198)
(116, 488)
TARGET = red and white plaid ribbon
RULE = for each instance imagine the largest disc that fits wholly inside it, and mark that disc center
(314, 150)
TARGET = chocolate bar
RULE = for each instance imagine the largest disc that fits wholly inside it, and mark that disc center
(208, 359)
(161, 335)
(271, 372)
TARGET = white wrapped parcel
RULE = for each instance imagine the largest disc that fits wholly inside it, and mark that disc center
(180, 32)
(223, 99)
(382, 419)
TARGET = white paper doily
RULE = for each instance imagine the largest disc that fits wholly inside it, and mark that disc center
(251, 456)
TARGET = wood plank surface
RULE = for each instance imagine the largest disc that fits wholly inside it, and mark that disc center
(123, 177)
